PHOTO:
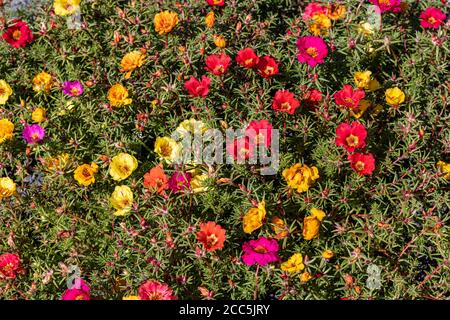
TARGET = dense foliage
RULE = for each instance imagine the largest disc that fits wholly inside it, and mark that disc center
(349, 221)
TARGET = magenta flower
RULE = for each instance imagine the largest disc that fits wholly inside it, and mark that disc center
(80, 291)
(311, 50)
(432, 18)
(73, 88)
(180, 181)
(33, 133)
(388, 5)
(261, 251)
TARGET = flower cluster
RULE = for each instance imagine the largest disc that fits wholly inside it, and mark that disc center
(350, 96)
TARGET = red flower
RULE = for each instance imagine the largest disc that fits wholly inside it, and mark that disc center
(247, 58)
(351, 137)
(284, 101)
(241, 149)
(211, 235)
(19, 34)
(9, 265)
(432, 18)
(267, 66)
(259, 132)
(217, 64)
(197, 88)
(361, 163)
(348, 97)
(312, 97)
(219, 3)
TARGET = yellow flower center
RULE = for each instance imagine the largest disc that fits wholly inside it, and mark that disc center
(248, 61)
(352, 140)
(286, 106)
(268, 70)
(360, 166)
(386, 2)
(432, 20)
(312, 52)
(220, 69)
(260, 249)
(166, 150)
(16, 35)
(349, 100)
(211, 240)
(74, 91)
(2, 91)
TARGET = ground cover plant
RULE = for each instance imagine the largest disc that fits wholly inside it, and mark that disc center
(351, 97)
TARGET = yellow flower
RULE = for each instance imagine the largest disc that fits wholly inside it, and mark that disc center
(5, 91)
(444, 168)
(192, 126)
(327, 254)
(165, 22)
(279, 228)
(198, 182)
(84, 174)
(395, 97)
(131, 298)
(219, 41)
(305, 277)
(66, 7)
(311, 224)
(42, 82)
(122, 166)
(56, 163)
(118, 96)
(294, 263)
(210, 19)
(167, 149)
(374, 85)
(362, 107)
(6, 130)
(7, 187)
(38, 115)
(320, 24)
(121, 200)
(300, 177)
(362, 79)
(319, 214)
(132, 61)
(365, 29)
(254, 218)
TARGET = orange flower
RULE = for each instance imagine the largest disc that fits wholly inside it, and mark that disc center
(165, 22)
(210, 19)
(336, 11)
(132, 61)
(156, 180)
(279, 228)
(211, 235)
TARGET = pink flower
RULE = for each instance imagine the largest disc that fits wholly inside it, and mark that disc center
(259, 132)
(155, 290)
(73, 88)
(198, 88)
(388, 5)
(313, 9)
(33, 134)
(241, 149)
(312, 50)
(432, 18)
(261, 251)
(180, 181)
(80, 292)
(9, 265)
